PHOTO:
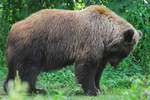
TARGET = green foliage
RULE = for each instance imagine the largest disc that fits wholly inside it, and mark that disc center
(17, 89)
(138, 14)
(129, 81)
(137, 91)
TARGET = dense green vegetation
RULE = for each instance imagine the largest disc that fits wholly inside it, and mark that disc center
(129, 81)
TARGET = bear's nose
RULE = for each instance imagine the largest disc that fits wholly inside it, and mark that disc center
(114, 63)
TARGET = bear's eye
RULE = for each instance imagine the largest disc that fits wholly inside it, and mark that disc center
(114, 47)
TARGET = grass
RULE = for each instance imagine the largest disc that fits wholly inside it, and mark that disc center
(61, 85)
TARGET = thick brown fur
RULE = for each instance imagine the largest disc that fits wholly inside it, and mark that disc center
(52, 39)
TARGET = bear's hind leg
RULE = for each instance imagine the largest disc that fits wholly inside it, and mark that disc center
(11, 76)
(85, 74)
(28, 73)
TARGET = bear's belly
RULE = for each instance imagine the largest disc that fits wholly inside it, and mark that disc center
(55, 63)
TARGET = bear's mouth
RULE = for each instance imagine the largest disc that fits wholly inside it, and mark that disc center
(114, 63)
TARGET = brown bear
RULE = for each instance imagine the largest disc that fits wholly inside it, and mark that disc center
(52, 39)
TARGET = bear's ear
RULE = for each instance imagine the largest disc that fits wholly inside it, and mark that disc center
(140, 33)
(128, 35)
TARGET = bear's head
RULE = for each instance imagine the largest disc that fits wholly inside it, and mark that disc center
(121, 47)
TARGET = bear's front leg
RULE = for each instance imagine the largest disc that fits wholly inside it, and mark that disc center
(85, 73)
(97, 79)
(98, 75)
